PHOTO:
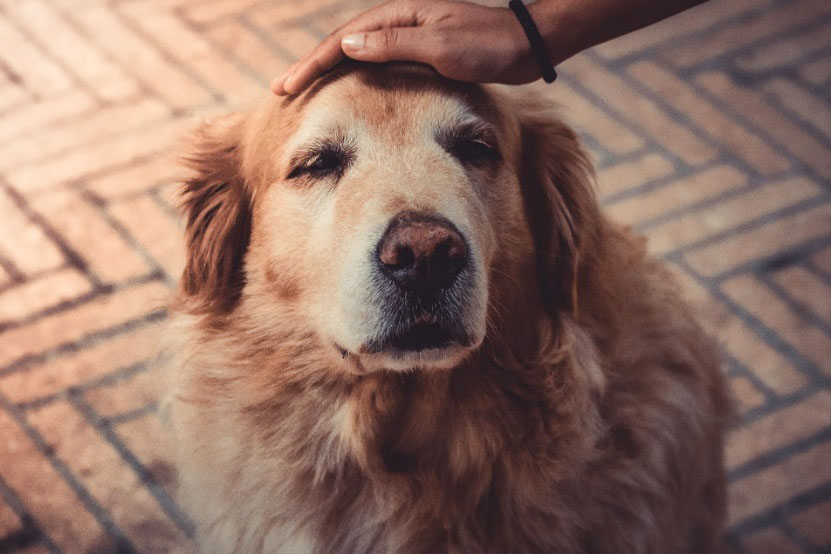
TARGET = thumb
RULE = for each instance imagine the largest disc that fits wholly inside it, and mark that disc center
(394, 43)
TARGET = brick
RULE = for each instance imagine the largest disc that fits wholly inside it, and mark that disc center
(806, 288)
(637, 108)
(770, 541)
(677, 194)
(606, 130)
(73, 325)
(72, 166)
(163, 239)
(148, 438)
(210, 11)
(822, 259)
(761, 242)
(143, 59)
(109, 256)
(746, 395)
(771, 486)
(627, 175)
(329, 19)
(46, 495)
(812, 110)
(249, 49)
(817, 72)
(808, 340)
(701, 113)
(131, 393)
(43, 112)
(41, 293)
(80, 132)
(272, 14)
(11, 94)
(728, 39)
(684, 24)
(66, 45)
(779, 429)
(730, 213)
(39, 73)
(768, 365)
(295, 40)
(785, 51)
(9, 522)
(194, 52)
(779, 129)
(137, 177)
(109, 479)
(23, 242)
(813, 523)
(79, 368)
(740, 342)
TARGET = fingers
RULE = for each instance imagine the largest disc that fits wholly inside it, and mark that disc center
(306, 70)
(397, 43)
(328, 53)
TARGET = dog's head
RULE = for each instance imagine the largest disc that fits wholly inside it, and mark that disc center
(397, 216)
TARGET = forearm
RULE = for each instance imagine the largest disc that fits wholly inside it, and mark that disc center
(570, 26)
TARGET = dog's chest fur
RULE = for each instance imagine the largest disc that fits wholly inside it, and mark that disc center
(403, 462)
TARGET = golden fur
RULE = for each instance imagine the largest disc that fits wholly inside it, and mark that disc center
(588, 418)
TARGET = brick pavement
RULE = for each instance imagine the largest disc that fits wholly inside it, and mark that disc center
(710, 132)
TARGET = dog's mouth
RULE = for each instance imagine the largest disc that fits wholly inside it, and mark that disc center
(416, 338)
(421, 337)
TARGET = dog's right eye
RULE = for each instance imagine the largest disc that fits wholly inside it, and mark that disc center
(326, 162)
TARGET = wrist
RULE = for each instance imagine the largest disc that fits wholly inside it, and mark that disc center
(520, 64)
(559, 28)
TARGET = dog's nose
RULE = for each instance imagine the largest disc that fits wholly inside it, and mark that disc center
(422, 253)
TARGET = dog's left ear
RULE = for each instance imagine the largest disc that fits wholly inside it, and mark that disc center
(217, 207)
(558, 189)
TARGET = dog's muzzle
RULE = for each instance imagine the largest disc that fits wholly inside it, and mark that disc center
(423, 275)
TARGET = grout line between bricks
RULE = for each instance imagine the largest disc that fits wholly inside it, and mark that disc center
(780, 512)
(755, 223)
(771, 458)
(29, 534)
(28, 360)
(763, 331)
(130, 415)
(66, 305)
(802, 310)
(98, 204)
(90, 503)
(38, 45)
(654, 51)
(162, 498)
(71, 255)
(109, 379)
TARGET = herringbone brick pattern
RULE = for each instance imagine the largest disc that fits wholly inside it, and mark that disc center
(711, 135)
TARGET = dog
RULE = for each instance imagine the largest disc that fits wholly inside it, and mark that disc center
(404, 325)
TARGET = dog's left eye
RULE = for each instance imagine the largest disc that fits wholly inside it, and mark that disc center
(324, 163)
(474, 151)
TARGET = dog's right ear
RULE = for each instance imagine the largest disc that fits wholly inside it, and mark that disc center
(557, 182)
(216, 204)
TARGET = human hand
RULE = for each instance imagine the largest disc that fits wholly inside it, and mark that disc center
(462, 41)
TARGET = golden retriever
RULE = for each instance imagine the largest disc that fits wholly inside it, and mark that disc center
(405, 326)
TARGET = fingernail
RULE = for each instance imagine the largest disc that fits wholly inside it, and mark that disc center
(276, 85)
(353, 42)
(287, 82)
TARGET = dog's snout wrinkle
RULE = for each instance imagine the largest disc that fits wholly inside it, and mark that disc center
(422, 253)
